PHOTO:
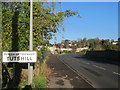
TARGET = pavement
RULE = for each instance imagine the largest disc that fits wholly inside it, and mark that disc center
(62, 76)
(97, 74)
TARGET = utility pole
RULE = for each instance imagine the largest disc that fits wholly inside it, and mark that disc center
(30, 65)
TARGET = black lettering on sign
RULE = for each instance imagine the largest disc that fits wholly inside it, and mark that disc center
(30, 58)
(11, 58)
(27, 58)
(22, 58)
(14, 58)
(17, 58)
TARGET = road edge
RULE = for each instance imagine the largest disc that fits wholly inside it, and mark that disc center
(75, 71)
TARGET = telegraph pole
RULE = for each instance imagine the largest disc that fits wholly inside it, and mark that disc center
(30, 65)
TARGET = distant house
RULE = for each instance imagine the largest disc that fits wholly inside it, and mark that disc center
(66, 49)
(52, 49)
(115, 42)
(81, 49)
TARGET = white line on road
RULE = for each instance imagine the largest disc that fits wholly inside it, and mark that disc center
(87, 63)
(116, 73)
(99, 67)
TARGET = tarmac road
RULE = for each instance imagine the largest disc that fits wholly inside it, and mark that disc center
(98, 74)
(63, 77)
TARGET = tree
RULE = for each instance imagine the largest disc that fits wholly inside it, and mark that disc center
(15, 26)
(66, 43)
(46, 22)
(8, 23)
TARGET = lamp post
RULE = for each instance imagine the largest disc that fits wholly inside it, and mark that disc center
(30, 65)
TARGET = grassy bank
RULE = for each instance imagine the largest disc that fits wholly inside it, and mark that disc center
(39, 76)
(40, 80)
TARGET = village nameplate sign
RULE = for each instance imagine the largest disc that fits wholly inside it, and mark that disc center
(20, 56)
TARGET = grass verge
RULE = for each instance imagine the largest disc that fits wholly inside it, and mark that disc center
(39, 76)
(40, 79)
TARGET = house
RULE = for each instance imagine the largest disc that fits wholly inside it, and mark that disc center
(66, 49)
(81, 49)
(115, 42)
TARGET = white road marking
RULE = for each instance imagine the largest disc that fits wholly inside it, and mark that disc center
(87, 63)
(102, 68)
(99, 67)
(95, 65)
(116, 73)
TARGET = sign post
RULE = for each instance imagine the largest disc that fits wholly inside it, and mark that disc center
(30, 65)
(21, 57)
(29, 57)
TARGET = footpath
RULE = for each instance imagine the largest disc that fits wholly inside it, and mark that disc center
(63, 77)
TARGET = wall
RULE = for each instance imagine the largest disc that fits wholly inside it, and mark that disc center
(110, 55)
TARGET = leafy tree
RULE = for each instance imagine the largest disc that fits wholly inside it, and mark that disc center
(46, 22)
(66, 43)
(16, 25)
(9, 22)
(74, 43)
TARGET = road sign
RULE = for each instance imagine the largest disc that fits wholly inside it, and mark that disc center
(20, 56)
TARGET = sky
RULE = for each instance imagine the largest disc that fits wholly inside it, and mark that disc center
(98, 19)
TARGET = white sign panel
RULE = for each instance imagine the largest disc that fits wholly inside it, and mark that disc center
(20, 56)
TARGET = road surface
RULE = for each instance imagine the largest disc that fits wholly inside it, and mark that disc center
(98, 74)
(63, 77)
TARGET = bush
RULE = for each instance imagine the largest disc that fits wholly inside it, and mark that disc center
(39, 82)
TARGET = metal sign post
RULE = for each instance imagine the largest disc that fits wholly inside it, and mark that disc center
(30, 65)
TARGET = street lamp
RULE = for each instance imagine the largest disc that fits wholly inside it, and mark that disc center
(30, 65)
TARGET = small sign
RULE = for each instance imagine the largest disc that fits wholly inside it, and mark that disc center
(20, 56)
